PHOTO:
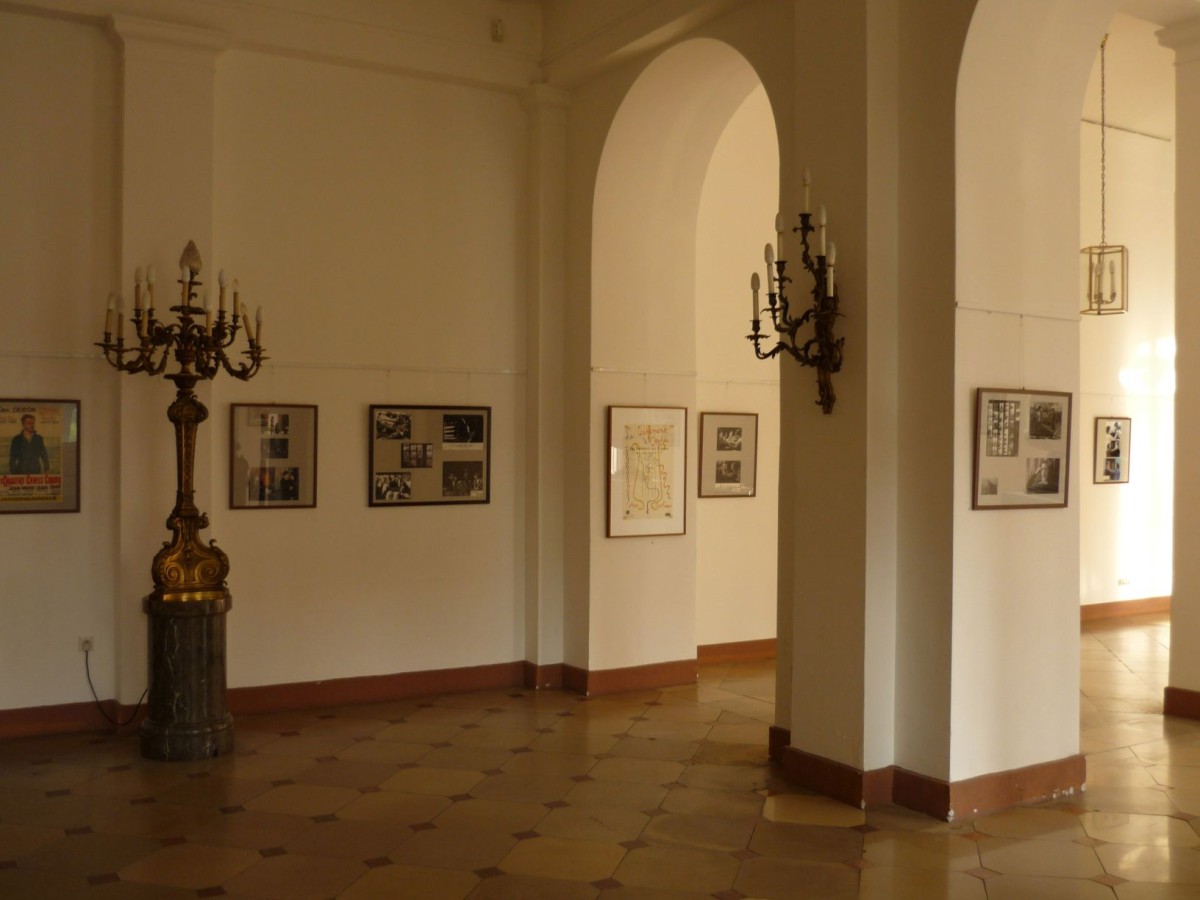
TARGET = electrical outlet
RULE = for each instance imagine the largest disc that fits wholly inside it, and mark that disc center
(85, 645)
(1121, 582)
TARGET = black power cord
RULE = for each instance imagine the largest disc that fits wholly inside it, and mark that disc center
(100, 706)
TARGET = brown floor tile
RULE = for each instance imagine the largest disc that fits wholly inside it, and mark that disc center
(218, 791)
(547, 857)
(523, 887)
(678, 868)
(666, 730)
(887, 883)
(508, 816)
(724, 778)
(698, 801)
(156, 820)
(638, 771)
(653, 748)
(311, 746)
(94, 853)
(785, 879)
(43, 884)
(698, 832)
(593, 823)
(575, 742)
(347, 773)
(623, 794)
(424, 780)
(302, 800)
(1180, 865)
(401, 882)
(919, 850)
(17, 841)
(348, 839)
(376, 751)
(640, 893)
(192, 866)
(473, 759)
(1030, 887)
(455, 848)
(495, 738)
(293, 877)
(522, 786)
(251, 830)
(810, 842)
(395, 807)
(564, 765)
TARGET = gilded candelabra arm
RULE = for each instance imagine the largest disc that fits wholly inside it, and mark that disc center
(245, 370)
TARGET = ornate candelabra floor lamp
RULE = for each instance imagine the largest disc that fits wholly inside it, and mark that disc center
(186, 715)
(822, 351)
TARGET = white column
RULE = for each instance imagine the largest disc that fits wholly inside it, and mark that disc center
(547, 110)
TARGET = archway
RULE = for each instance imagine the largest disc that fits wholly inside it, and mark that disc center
(655, 207)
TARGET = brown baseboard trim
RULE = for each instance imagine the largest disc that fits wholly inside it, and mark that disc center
(736, 651)
(778, 738)
(933, 796)
(1181, 702)
(61, 719)
(837, 780)
(634, 678)
(1094, 611)
(542, 678)
(372, 688)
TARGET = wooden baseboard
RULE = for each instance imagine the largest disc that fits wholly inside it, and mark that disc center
(542, 678)
(932, 796)
(64, 718)
(372, 688)
(778, 738)
(1181, 702)
(1145, 606)
(593, 683)
(736, 651)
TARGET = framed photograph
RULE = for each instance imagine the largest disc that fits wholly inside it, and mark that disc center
(272, 456)
(422, 455)
(1111, 465)
(728, 454)
(40, 473)
(1022, 449)
(647, 481)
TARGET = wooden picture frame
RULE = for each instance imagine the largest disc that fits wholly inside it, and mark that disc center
(728, 454)
(1022, 449)
(427, 455)
(39, 472)
(647, 471)
(1110, 464)
(272, 456)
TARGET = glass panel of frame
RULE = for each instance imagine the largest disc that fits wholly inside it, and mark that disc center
(40, 472)
(422, 455)
(272, 456)
(1022, 448)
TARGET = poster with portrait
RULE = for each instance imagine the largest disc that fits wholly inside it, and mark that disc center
(1022, 449)
(40, 468)
(272, 456)
(425, 455)
(646, 477)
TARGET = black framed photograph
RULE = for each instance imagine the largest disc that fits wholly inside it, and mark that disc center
(40, 472)
(425, 455)
(647, 481)
(1022, 448)
(728, 454)
(272, 456)
(1111, 461)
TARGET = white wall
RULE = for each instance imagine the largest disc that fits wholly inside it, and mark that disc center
(1128, 362)
(59, 233)
(736, 591)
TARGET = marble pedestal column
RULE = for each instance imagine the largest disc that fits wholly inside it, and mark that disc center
(186, 716)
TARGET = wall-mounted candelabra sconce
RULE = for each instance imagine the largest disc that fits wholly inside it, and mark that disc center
(186, 716)
(822, 351)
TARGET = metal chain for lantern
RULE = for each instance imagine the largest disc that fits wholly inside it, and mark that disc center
(1106, 284)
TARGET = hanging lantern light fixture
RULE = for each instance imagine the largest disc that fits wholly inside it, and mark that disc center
(1105, 266)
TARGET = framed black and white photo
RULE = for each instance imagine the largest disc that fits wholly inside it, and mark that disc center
(40, 472)
(1111, 462)
(272, 456)
(1022, 449)
(728, 454)
(647, 454)
(424, 455)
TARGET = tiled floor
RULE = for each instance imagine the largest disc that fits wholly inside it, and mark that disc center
(648, 796)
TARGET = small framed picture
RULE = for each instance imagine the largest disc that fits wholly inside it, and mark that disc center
(1022, 448)
(40, 473)
(728, 454)
(1111, 465)
(647, 481)
(272, 456)
(423, 455)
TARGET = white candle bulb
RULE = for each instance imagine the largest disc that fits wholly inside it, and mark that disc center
(109, 312)
(769, 256)
(221, 278)
(184, 274)
(821, 222)
(807, 182)
(207, 314)
(258, 326)
(832, 253)
(829, 269)
(1112, 278)
(779, 228)
(149, 274)
(754, 285)
(138, 277)
(120, 326)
